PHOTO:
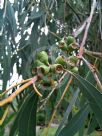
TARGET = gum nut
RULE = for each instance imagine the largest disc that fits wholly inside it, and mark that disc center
(73, 59)
(70, 40)
(62, 45)
(75, 69)
(61, 60)
(56, 68)
(44, 69)
(38, 63)
(43, 57)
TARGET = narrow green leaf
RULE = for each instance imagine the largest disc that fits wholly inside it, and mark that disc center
(67, 113)
(25, 121)
(76, 122)
(1, 19)
(92, 125)
(6, 63)
(94, 97)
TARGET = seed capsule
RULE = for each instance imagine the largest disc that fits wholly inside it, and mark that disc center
(75, 70)
(62, 45)
(70, 40)
(61, 60)
(38, 63)
(73, 59)
(43, 57)
(56, 68)
(43, 69)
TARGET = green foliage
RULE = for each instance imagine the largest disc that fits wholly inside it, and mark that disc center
(71, 128)
(39, 36)
(25, 120)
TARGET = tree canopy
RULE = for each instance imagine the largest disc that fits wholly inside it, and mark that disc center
(68, 36)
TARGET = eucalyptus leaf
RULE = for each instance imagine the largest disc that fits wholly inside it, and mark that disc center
(25, 121)
(69, 108)
(93, 95)
(76, 122)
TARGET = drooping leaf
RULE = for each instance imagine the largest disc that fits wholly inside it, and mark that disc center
(25, 121)
(92, 126)
(67, 113)
(76, 122)
(1, 20)
(6, 63)
(94, 97)
(10, 18)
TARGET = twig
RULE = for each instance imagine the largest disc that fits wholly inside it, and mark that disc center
(58, 104)
(49, 95)
(4, 116)
(97, 54)
(91, 53)
(80, 29)
(93, 72)
(18, 91)
(81, 50)
(36, 90)
(22, 82)
(54, 34)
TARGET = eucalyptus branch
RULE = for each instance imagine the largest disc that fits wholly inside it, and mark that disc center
(81, 50)
(18, 91)
(80, 29)
(22, 82)
(49, 95)
(36, 90)
(92, 53)
(97, 54)
(92, 69)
